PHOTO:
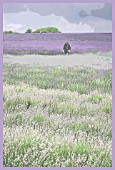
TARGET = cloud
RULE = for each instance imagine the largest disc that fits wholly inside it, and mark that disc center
(14, 27)
(13, 7)
(68, 18)
(66, 27)
(34, 21)
(99, 24)
(105, 12)
(70, 11)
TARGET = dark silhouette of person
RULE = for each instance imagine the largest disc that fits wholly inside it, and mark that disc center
(66, 48)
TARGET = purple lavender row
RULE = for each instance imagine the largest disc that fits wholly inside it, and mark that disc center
(53, 43)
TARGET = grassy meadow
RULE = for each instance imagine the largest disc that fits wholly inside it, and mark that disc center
(57, 116)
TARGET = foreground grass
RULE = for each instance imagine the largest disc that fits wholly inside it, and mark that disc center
(57, 117)
(80, 79)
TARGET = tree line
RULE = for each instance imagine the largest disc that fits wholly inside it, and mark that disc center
(40, 30)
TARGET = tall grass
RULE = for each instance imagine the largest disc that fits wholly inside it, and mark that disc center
(57, 117)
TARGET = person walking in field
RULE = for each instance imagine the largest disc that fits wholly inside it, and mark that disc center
(67, 48)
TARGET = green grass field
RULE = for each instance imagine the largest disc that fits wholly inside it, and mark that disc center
(57, 116)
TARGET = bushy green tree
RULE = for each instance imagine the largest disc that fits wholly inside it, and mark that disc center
(29, 30)
(47, 30)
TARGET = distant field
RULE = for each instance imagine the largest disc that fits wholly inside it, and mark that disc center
(52, 43)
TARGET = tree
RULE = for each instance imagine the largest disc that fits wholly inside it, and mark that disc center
(47, 30)
(29, 30)
(8, 32)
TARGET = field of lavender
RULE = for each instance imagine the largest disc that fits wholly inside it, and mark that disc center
(57, 116)
(49, 43)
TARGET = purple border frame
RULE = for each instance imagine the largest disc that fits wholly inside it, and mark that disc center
(1, 80)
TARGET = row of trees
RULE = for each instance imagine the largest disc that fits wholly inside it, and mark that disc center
(8, 32)
(40, 30)
(44, 30)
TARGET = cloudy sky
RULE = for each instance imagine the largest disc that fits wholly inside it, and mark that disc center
(69, 17)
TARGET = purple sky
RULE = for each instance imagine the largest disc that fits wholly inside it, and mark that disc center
(72, 17)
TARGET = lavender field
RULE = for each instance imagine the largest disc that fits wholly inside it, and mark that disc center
(57, 108)
(52, 43)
